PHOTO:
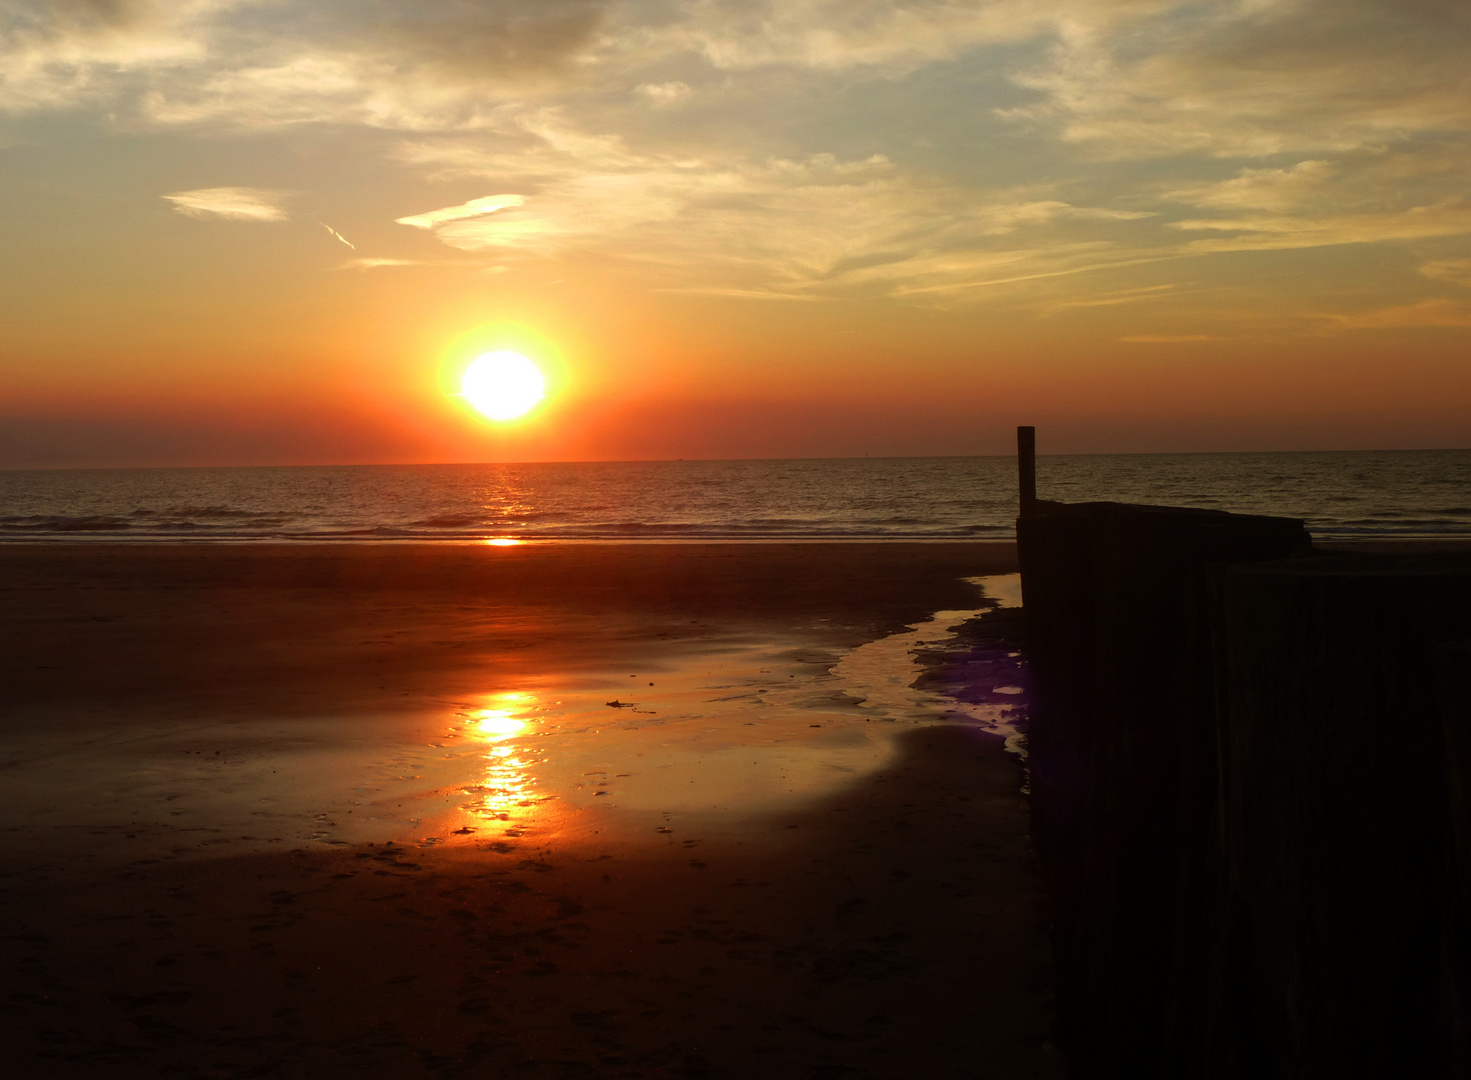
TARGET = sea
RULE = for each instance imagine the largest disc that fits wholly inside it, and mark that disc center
(1342, 495)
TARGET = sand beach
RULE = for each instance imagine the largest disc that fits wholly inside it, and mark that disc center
(464, 810)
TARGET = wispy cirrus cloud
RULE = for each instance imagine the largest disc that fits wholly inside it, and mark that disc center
(1118, 297)
(371, 263)
(665, 93)
(1434, 312)
(1361, 198)
(233, 204)
(1128, 78)
(1272, 232)
(57, 54)
(843, 35)
(1168, 339)
(263, 63)
(1255, 77)
(735, 146)
(1456, 271)
(737, 226)
(448, 65)
(1280, 189)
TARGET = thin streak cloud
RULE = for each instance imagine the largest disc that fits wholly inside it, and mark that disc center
(1277, 233)
(475, 208)
(1456, 271)
(231, 204)
(1167, 339)
(378, 263)
(1435, 312)
(338, 235)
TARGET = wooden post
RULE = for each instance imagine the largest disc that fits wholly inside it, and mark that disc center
(1026, 464)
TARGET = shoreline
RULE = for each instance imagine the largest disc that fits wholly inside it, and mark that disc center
(106, 537)
(1375, 543)
(553, 541)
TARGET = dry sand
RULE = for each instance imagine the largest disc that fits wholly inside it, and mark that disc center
(366, 811)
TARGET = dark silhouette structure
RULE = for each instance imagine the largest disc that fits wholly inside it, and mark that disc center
(1241, 796)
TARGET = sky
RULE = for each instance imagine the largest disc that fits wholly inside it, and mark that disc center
(276, 231)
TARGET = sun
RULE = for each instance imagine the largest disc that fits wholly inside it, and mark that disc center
(503, 385)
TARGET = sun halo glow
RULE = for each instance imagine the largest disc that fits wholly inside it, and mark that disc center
(503, 385)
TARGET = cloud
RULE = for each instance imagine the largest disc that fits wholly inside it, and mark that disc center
(1270, 232)
(475, 208)
(1256, 77)
(738, 35)
(263, 63)
(375, 263)
(466, 43)
(61, 53)
(1168, 339)
(231, 203)
(1122, 296)
(953, 278)
(396, 55)
(1262, 189)
(800, 158)
(1008, 217)
(1385, 195)
(448, 64)
(595, 193)
(1456, 271)
(664, 93)
(791, 226)
(337, 235)
(1425, 313)
(740, 294)
(1124, 78)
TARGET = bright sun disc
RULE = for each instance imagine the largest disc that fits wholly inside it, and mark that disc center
(503, 385)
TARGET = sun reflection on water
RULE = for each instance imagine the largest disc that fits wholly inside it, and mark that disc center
(507, 790)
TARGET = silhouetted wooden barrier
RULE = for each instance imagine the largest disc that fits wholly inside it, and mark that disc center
(1455, 714)
(1337, 826)
(1123, 759)
(1251, 774)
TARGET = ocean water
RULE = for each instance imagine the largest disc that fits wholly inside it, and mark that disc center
(1419, 493)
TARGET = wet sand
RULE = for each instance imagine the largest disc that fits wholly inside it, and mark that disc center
(368, 811)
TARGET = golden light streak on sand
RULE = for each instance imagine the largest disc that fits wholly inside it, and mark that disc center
(506, 790)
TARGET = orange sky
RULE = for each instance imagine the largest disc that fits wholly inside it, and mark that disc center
(247, 232)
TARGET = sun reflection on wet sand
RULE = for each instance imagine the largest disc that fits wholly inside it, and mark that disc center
(506, 790)
(720, 739)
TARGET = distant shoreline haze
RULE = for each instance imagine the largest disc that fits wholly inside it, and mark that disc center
(1342, 494)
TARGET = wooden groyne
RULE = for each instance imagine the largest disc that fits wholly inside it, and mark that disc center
(1246, 759)
(1336, 814)
(1454, 684)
